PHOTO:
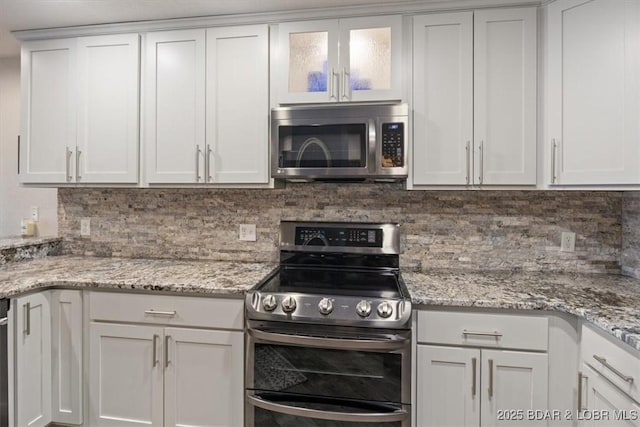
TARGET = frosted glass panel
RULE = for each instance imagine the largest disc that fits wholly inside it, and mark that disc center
(308, 62)
(370, 59)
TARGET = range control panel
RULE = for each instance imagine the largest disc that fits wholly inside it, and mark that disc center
(392, 145)
(331, 236)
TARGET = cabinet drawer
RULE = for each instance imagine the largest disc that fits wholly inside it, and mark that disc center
(167, 310)
(483, 330)
(617, 365)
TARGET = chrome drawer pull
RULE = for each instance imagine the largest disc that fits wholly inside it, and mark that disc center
(160, 313)
(604, 362)
(495, 334)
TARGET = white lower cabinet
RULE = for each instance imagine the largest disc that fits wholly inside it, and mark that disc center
(47, 368)
(461, 384)
(155, 374)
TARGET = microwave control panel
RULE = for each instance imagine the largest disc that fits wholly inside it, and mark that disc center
(392, 145)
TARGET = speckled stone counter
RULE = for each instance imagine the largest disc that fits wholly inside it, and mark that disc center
(24, 249)
(610, 302)
(196, 277)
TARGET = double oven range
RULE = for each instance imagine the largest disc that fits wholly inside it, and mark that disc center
(329, 331)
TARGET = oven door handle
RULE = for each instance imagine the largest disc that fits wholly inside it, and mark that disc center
(395, 343)
(372, 417)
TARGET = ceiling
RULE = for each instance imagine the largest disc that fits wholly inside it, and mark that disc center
(37, 14)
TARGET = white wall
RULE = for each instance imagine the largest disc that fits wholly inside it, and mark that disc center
(16, 201)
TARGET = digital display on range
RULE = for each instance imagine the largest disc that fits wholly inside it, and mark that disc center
(357, 237)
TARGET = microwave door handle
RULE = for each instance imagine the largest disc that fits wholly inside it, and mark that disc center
(373, 154)
(376, 417)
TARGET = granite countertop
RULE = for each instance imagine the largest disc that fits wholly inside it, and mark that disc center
(196, 277)
(19, 242)
(610, 302)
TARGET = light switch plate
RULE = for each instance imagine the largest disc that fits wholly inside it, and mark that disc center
(248, 232)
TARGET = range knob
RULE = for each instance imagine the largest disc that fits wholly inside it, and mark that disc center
(363, 308)
(385, 309)
(269, 303)
(289, 304)
(325, 306)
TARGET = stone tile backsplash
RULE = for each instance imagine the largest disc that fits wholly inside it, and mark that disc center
(630, 258)
(472, 230)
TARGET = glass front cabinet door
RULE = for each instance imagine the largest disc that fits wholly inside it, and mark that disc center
(355, 59)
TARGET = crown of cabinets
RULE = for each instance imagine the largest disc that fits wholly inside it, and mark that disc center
(355, 59)
(80, 110)
(593, 87)
(475, 98)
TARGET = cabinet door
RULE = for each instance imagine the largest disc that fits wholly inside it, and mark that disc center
(505, 96)
(512, 380)
(370, 58)
(48, 111)
(66, 356)
(238, 105)
(593, 84)
(108, 69)
(448, 386)
(33, 360)
(442, 113)
(204, 379)
(602, 397)
(175, 106)
(308, 62)
(125, 375)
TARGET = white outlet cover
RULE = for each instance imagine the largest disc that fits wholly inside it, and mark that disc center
(35, 213)
(568, 241)
(85, 227)
(247, 232)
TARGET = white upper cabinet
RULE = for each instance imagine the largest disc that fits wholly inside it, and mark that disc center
(80, 110)
(475, 98)
(504, 53)
(107, 139)
(175, 106)
(207, 106)
(355, 59)
(238, 105)
(48, 135)
(593, 92)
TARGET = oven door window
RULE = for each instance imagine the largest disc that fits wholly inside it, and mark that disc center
(325, 146)
(359, 375)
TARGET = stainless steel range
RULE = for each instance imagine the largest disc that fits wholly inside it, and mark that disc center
(329, 339)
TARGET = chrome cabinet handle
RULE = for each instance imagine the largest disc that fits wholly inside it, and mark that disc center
(579, 391)
(208, 163)
(67, 159)
(490, 378)
(332, 84)
(4, 321)
(474, 362)
(606, 364)
(554, 150)
(27, 318)
(495, 334)
(166, 350)
(371, 418)
(153, 312)
(78, 177)
(481, 152)
(198, 151)
(468, 150)
(154, 356)
(345, 84)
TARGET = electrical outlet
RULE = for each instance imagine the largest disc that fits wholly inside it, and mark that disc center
(35, 213)
(248, 232)
(568, 241)
(85, 227)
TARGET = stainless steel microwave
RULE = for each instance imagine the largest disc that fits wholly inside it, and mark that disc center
(342, 142)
